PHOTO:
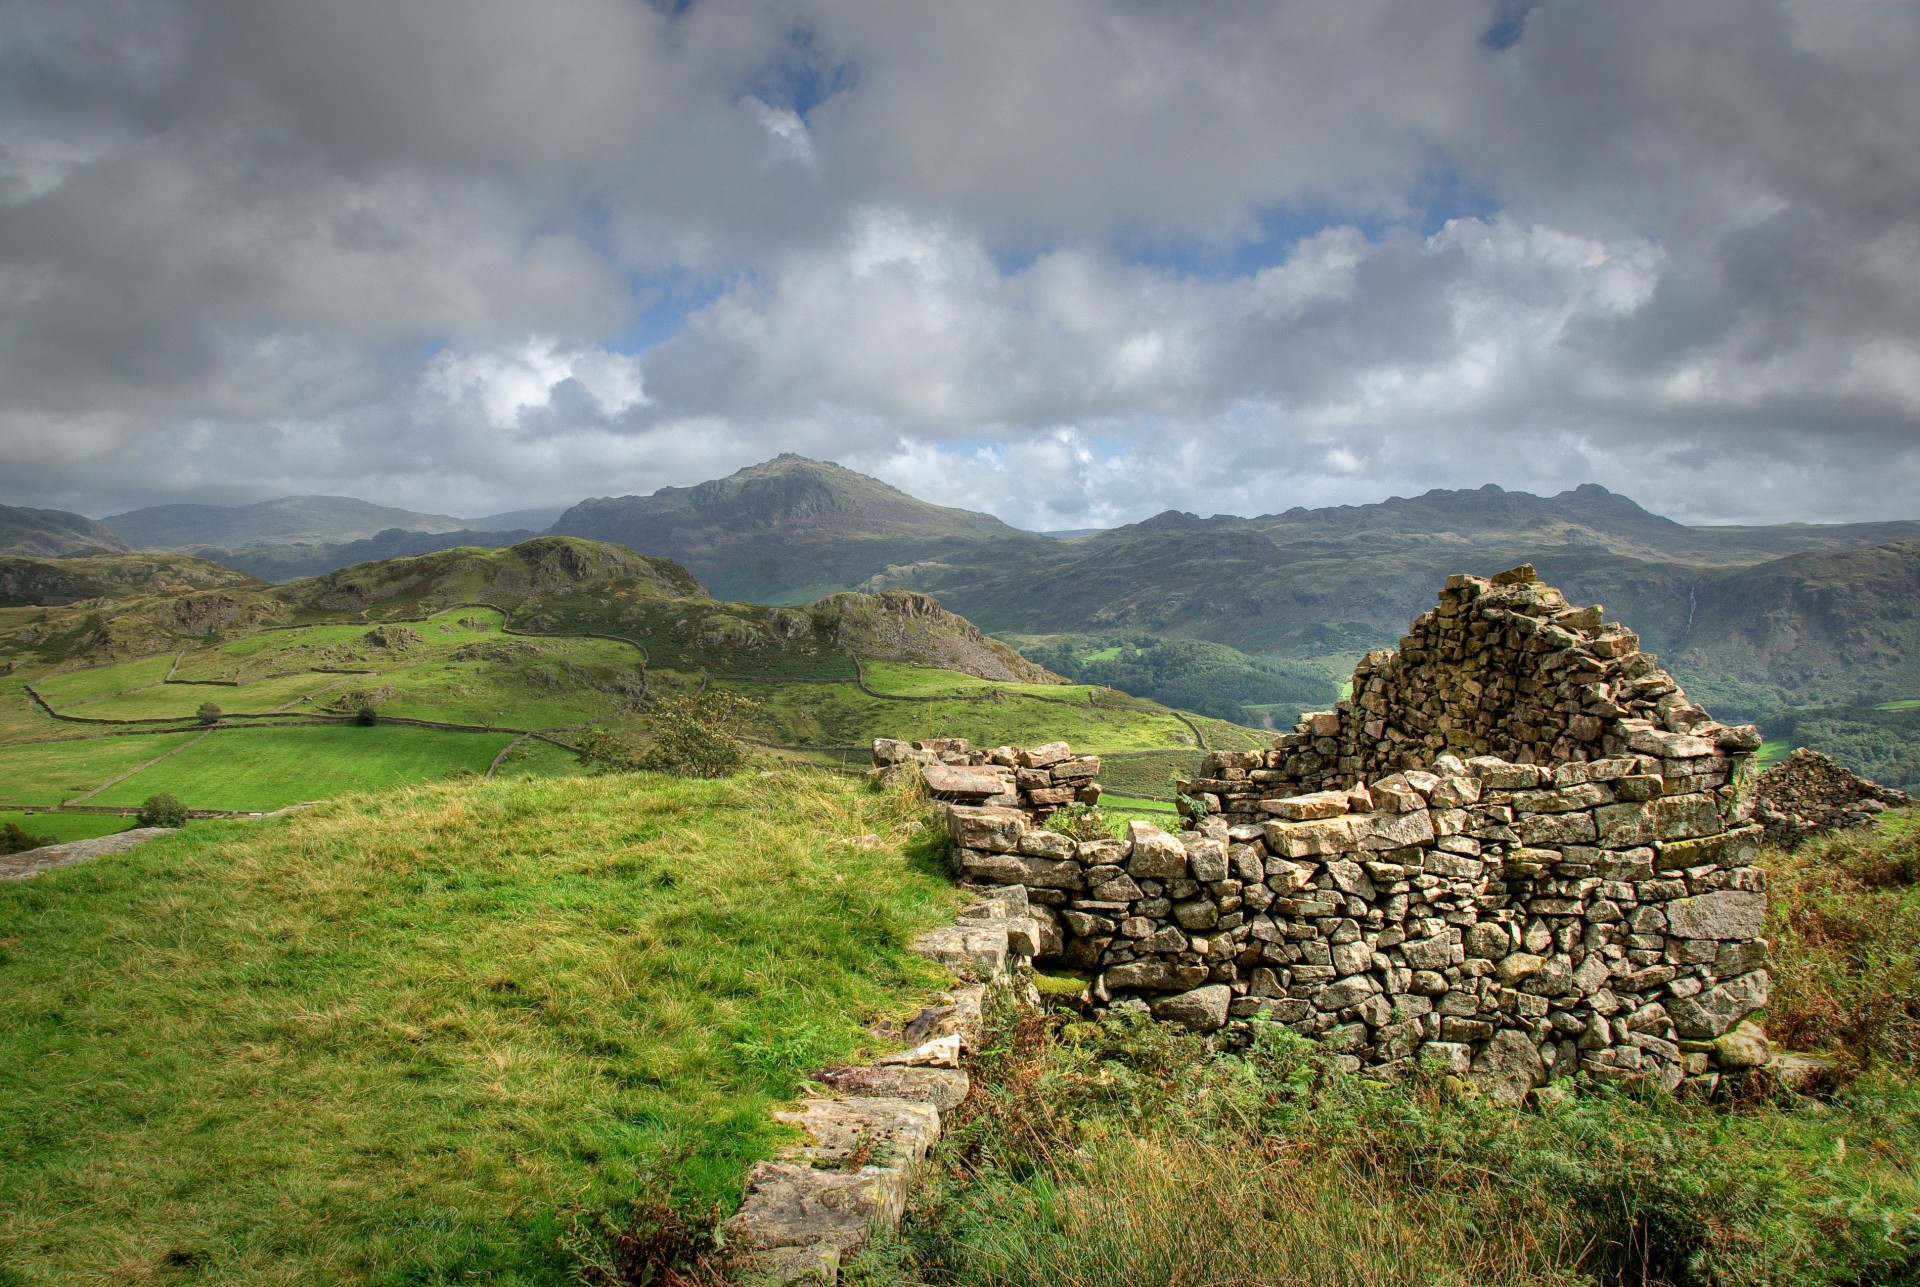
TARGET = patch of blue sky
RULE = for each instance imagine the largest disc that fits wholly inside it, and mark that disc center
(663, 300)
(1509, 24)
(803, 75)
(1441, 194)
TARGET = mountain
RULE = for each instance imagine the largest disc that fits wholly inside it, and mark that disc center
(792, 529)
(526, 520)
(53, 534)
(291, 561)
(317, 520)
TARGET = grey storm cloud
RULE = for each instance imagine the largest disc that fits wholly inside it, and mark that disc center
(1072, 261)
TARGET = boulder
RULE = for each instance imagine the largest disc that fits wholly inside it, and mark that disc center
(1508, 1066)
(1719, 1008)
(1201, 1010)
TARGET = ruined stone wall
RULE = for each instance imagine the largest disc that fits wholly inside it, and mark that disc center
(1584, 901)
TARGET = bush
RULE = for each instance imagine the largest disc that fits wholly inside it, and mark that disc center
(366, 717)
(600, 749)
(1078, 822)
(15, 839)
(208, 713)
(162, 810)
(698, 736)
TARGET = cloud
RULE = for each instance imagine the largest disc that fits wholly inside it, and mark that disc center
(1073, 261)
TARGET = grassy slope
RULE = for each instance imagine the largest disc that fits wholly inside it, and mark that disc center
(66, 826)
(49, 772)
(270, 768)
(394, 1039)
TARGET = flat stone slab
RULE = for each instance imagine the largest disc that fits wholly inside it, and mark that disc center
(34, 861)
(870, 1131)
(944, 1088)
(972, 953)
(801, 1220)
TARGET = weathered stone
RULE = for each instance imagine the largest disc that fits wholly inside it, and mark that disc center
(1351, 990)
(1045, 844)
(1315, 838)
(1377, 831)
(1201, 1010)
(1723, 914)
(967, 780)
(1153, 854)
(1040, 757)
(944, 1088)
(1310, 807)
(989, 827)
(1508, 1067)
(889, 1132)
(1488, 941)
(1719, 1008)
(1745, 1047)
(1206, 857)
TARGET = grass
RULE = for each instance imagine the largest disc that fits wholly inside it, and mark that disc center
(398, 1039)
(1904, 704)
(45, 773)
(1773, 751)
(910, 679)
(842, 715)
(65, 826)
(102, 681)
(1134, 804)
(270, 768)
(536, 759)
(180, 701)
(1123, 1152)
(1845, 925)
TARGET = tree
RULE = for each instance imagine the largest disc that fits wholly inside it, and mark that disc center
(162, 810)
(208, 713)
(698, 736)
(15, 839)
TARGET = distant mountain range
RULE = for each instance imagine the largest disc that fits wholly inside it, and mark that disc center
(53, 534)
(1754, 619)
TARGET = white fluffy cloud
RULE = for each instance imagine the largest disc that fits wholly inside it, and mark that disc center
(1072, 261)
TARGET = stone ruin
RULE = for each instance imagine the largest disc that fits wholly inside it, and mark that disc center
(1807, 794)
(1518, 850)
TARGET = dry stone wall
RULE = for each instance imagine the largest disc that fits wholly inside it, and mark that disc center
(1808, 794)
(1518, 850)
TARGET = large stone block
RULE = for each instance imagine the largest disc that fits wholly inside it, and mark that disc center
(1719, 1008)
(1723, 914)
(967, 780)
(1378, 831)
(1201, 1010)
(1315, 838)
(1508, 1066)
(989, 827)
(1153, 854)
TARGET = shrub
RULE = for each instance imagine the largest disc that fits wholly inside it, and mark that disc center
(698, 736)
(15, 839)
(208, 713)
(162, 810)
(366, 717)
(601, 749)
(1078, 822)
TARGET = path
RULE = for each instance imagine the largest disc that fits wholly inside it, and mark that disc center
(34, 861)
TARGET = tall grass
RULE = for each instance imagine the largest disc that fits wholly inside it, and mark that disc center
(1845, 924)
(1120, 1153)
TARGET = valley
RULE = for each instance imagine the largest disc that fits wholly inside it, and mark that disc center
(178, 678)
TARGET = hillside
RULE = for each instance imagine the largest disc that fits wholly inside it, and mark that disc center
(59, 582)
(288, 520)
(53, 534)
(791, 529)
(291, 561)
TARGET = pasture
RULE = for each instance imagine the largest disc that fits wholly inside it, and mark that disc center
(406, 1038)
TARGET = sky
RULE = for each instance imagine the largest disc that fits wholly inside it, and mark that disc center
(1072, 262)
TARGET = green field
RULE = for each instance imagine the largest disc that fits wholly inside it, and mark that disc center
(101, 681)
(181, 701)
(399, 1039)
(841, 715)
(65, 826)
(1904, 704)
(47, 773)
(270, 768)
(1135, 804)
(910, 679)
(533, 758)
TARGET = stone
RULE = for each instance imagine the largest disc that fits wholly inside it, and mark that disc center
(1377, 831)
(989, 827)
(1453, 1057)
(1153, 854)
(1315, 838)
(944, 1088)
(1342, 993)
(1310, 807)
(1716, 1010)
(1488, 941)
(975, 954)
(966, 780)
(1201, 1010)
(941, 1052)
(1745, 1047)
(1206, 857)
(797, 1221)
(1040, 757)
(1723, 914)
(1508, 1066)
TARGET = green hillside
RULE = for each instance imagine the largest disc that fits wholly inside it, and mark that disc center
(409, 1038)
